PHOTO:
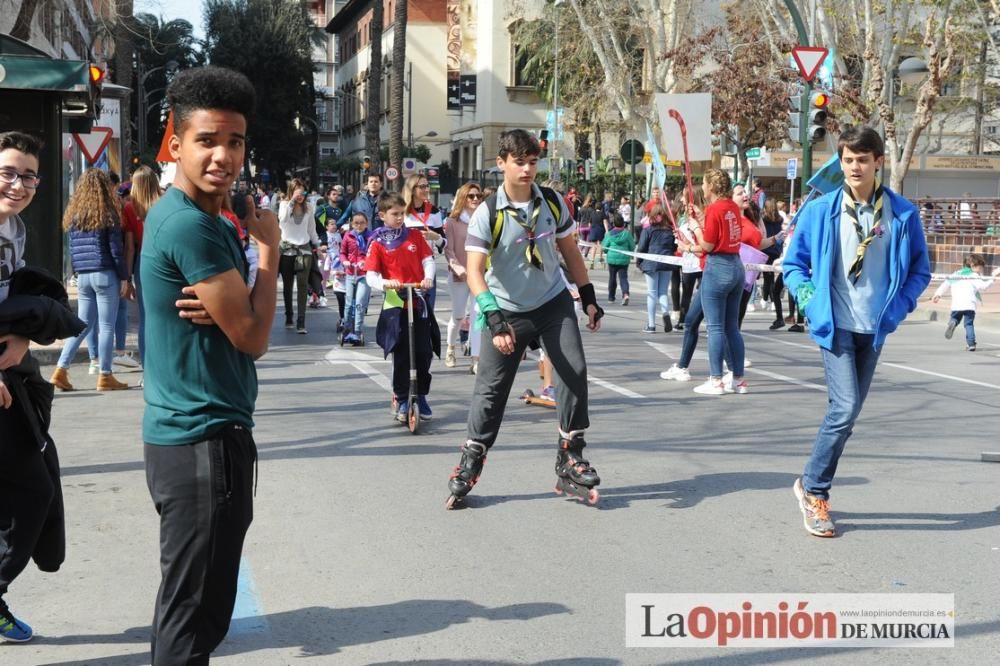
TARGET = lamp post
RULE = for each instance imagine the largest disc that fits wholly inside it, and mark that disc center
(142, 97)
(554, 169)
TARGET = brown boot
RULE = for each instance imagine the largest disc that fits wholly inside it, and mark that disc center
(107, 382)
(60, 379)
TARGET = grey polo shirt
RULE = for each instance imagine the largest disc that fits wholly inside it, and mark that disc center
(517, 285)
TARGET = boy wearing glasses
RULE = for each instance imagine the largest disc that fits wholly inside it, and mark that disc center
(32, 306)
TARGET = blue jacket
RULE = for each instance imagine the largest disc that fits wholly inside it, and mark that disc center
(810, 257)
(101, 250)
(363, 203)
(656, 240)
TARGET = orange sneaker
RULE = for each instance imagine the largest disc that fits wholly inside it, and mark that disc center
(815, 512)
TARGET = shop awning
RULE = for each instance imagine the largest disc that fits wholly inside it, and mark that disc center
(23, 67)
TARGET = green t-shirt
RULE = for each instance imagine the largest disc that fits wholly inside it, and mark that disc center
(195, 379)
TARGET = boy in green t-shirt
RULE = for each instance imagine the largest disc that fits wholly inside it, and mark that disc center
(201, 383)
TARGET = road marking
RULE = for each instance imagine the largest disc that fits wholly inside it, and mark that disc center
(338, 355)
(373, 375)
(248, 617)
(663, 349)
(942, 376)
(617, 389)
(780, 342)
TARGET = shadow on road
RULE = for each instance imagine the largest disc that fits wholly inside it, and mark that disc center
(930, 522)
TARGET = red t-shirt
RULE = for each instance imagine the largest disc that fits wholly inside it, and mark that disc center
(131, 222)
(404, 263)
(231, 216)
(750, 233)
(723, 226)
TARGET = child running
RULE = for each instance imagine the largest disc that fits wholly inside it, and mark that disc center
(965, 289)
(619, 238)
(399, 255)
(522, 297)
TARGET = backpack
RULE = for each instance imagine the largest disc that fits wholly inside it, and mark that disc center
(551, 198)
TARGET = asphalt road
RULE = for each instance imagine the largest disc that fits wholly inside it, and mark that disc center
(352, 558)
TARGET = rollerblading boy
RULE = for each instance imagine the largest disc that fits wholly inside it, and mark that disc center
(513, 245)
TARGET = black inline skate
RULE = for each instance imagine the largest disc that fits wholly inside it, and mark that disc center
(575, 476)
(466, 473)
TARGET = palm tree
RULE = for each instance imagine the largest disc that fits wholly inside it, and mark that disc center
(398, 74)
(373, 112)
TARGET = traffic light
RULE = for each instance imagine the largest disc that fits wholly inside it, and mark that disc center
(581, 169)
(816, 130)
(543, 142)
(366, 163)
(96, 80)
(795, 115)
(81, 109)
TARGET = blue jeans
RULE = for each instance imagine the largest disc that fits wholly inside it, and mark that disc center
(721, 289)
(692, 323)
(849, 368)
(617, 274)
(356, 301)
(97, 305)
(657, 285)
(970, 329)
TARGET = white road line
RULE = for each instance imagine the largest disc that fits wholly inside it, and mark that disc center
(617, 389)
(663, 349)
(780, 342)
(373, 375)
(942, 376)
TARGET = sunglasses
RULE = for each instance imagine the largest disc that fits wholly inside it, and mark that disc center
(475, 195)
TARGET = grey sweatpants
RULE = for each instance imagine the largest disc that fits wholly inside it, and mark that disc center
(554, 325)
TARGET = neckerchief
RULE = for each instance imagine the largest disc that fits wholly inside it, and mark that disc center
(964, 274)
(424, 215)
(851, 209)
(362, 240)
(531, 253)
(391, 238)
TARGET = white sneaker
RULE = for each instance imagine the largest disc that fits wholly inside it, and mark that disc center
(677, 374)
(95, 367)
(729, 385)
(727, 381)
(125, 360)
(711, 387)
(747, 363)
(322, 301)
(751, 307)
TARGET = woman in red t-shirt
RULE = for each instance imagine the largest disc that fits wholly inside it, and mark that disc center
(145, 192)
(717, 230)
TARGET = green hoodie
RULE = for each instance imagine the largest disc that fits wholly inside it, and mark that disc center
(619, 240)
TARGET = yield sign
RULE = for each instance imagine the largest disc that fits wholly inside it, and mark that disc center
(93, 144)
(809, 59)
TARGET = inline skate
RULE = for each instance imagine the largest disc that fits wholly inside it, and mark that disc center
(575, 476)
(466, 473)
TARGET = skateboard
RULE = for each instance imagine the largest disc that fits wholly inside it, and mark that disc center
(529, 397)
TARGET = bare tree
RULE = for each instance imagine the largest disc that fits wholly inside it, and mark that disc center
(396, 95)
(373, 106)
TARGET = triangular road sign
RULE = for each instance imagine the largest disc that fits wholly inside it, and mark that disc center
(809, 59)
(93, 144)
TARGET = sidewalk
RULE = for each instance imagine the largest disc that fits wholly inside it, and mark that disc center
(49, 354)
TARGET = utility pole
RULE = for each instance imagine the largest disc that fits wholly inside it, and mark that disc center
(806, 95)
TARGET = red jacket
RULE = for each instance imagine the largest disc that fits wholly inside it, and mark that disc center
(352, 253)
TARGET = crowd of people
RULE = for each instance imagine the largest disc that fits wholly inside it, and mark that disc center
(202, 261)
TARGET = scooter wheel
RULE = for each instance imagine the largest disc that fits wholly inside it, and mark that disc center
(413, 418)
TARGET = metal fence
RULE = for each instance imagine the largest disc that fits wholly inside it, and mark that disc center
(961, 217)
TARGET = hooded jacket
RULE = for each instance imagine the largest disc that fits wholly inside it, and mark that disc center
(811, 254)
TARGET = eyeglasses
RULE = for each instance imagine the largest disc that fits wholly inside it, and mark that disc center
(29, 180)
(475, 196)
(423, 186)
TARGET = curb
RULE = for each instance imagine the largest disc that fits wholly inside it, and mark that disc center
(987, 321)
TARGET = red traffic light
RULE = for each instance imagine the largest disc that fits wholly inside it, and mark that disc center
(96, 75)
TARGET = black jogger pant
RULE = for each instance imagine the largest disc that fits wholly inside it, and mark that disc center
(31, 508)
(203, 493)
(555, 326)
(401, 358)
(300, 281)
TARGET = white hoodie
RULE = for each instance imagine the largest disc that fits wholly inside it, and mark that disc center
(963, 291)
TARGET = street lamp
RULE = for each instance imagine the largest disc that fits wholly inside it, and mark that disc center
(911, 72)
(143, 97)
(555, 97)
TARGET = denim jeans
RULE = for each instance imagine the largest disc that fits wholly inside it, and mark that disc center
(692, 324)
(849, 368)
(97, 305)
(657, 284)
(356, 301)
(970, 330)
(721, 289)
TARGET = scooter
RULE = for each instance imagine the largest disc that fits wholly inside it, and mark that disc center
(413, 412)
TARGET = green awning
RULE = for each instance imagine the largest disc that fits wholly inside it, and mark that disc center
(23, 67)
(34, 73)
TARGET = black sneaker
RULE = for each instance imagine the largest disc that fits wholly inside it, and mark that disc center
(971, 348)
(301, 329)
(667, 324)
(289, 325)
(776, 324)
(796, 328)
(948, 332)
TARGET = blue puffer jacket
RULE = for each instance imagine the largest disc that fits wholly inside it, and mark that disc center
(101, 250)
(656, 240)
(810, 257)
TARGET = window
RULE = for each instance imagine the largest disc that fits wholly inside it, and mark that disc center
(519, 55)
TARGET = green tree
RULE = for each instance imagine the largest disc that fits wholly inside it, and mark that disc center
(269, 41)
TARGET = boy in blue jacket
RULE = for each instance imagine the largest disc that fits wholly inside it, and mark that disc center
(857, 264)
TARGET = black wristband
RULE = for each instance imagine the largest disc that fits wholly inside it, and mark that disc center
(589, 297)
(497, 323)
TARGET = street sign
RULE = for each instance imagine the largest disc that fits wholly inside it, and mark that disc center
(792, 169)
(93, 144)
(809, 59)
(391, 173)
(632, 151)
(753, 154)
(409, 166)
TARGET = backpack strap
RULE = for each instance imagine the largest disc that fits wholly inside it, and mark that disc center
(550, 196)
